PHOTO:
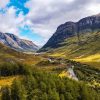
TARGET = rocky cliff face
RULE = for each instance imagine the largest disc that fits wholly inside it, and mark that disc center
(69, 29)
(15, 42)
(89, 24)
(63, 31)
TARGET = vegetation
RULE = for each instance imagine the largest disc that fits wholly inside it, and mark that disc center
(45, 86)
(7, 81)
(84, 72)
(69, 70)
(93, 60)
(89, 48)
(9, 69)
(11, 56)
(42, 82)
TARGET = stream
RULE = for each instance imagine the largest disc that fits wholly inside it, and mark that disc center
(72, 74)
(70, 70)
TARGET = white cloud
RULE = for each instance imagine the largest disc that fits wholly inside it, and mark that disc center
(47, 15)
(94, 8)
(3, 3)
(9, 22)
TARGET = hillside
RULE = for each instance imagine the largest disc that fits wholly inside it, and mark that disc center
(49, 77)
(45, 86)
(70, 29)
(9, 55)
(76, 41)
(16, 43)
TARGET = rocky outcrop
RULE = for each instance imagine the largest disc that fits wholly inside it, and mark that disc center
(16, 43)
(69, 29)
(91, 23)
(63, 31)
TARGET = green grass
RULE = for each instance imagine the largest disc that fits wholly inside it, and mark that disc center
(9, 55)
(90, 45)
(38, 83)
(7, 81)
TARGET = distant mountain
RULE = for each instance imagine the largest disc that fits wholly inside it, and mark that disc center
(9, 55)
(71, 29)
(16, 43)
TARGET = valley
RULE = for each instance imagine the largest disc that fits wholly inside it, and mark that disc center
(67, 67)
(87, 52)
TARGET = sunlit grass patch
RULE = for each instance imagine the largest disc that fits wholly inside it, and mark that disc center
(93, 60)
(7, 81)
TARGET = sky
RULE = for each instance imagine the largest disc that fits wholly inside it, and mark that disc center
(37, 20)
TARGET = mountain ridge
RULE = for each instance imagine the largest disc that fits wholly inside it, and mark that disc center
(17, 43)
(70, 29)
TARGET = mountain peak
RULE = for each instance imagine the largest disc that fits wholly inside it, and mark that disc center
(69, 29)
(16, 43)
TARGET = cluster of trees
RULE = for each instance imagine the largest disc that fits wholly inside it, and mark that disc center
(8, 69)
(47, 63)
(39, 85)
(86, 73)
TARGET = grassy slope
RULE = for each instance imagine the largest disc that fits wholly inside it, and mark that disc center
(93, 60)
(70, 50)
(7, 53)
(10, 55)
(7, 80)
(87, 52)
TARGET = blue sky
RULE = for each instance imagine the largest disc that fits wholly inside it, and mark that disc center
(25, 32)
(19, 4)
(37, 20)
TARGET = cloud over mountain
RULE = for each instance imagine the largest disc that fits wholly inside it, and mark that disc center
(44, 16)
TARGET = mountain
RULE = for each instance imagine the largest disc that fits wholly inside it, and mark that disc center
(79, 41)
(9, 55)
(16, 43)
(70, 29)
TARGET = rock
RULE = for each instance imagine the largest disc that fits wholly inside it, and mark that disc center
(69, 29)
(16, 43)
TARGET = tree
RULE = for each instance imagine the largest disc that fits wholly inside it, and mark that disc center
(18, 91)
(43, 86)
(44, 96)
(68, 96)
(62, 97)
(61, 87)
(85, 93)
(6, 95)
(53, 95)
